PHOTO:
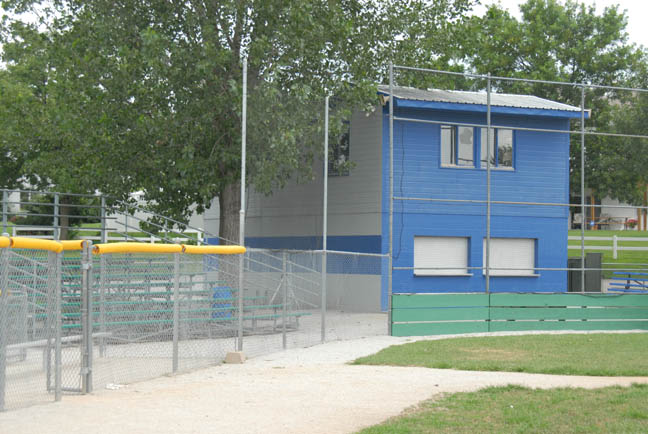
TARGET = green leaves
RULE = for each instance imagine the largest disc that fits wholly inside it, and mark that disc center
(569, 42)
(146, 95)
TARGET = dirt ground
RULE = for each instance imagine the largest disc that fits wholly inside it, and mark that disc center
(310, 390)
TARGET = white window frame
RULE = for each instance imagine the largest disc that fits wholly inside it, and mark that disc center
(495, 139)
(513, 257)
(454, 147)
(449, 254)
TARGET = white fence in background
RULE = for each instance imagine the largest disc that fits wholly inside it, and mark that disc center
(27, 232)
(615, 244)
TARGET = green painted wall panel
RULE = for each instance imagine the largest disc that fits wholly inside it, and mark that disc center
(439, 328)
(497, 326)
(568, 313)
(441, 314)
(634, 300)
(438, 300)
(473, 308)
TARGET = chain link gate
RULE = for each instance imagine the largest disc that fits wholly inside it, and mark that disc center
(30, 332)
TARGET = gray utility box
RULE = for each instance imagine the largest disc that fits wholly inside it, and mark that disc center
(593, 273)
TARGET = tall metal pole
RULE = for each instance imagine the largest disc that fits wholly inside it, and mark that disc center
(239, 344)
(325, 216)
(391, 198)
(583, 220)
(488, 181)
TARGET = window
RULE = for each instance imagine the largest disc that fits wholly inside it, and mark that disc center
(457, 146)
(440, 256)
(515, 254)
(339, 151)
(501, 151)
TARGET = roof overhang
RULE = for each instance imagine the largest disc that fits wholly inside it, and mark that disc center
(520, 105)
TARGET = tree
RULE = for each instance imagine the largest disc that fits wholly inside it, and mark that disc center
(569, 42)
(16, 103)
(148, 92)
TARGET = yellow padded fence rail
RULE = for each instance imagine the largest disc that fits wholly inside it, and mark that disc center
(72, 244)
(100, 249)
(125, 247)
(35, 244)
(213, 250)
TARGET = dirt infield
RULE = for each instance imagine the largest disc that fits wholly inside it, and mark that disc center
(303, 390)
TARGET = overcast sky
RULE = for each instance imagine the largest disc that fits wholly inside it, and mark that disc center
(637, 13)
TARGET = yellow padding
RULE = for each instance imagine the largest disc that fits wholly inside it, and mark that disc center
(4, 242)
(36, 244)
(213, 250)
(72, 244)
(100, 249)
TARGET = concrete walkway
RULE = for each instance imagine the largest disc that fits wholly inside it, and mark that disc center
(304, 390)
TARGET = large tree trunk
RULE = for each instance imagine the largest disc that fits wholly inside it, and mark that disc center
(228, 231)
(230, 206)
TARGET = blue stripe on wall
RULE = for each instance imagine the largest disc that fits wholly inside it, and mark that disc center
(357, 243)
(337, 263)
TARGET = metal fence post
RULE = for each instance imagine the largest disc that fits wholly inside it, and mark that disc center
(391, 200)
(57, 229)
(54, 277)
(126, 224)
(33, 303)
(5, 210)
(4, 300)
(488, 184)
(102, 305)
(325, 217)
(614, 247)
(284, 282)
(50, 323)
(104, 229)
(86, 317)
(583, 219)
(102, 281)
(176, 309)
(241, 270)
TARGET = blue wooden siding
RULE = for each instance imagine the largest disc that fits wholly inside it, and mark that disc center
(541, 174)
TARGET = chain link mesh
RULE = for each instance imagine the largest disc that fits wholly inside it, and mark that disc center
(155, 314)
(26, 307)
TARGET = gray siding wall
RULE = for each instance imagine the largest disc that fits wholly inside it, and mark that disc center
(354, 200)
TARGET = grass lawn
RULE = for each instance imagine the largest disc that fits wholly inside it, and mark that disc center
(570, 354)
(515, 409)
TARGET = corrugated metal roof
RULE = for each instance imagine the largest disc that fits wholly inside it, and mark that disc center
(463, 97)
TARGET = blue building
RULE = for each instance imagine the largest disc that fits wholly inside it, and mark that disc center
(439, 158)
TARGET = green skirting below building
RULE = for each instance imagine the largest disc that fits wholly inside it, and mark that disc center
(434, 314)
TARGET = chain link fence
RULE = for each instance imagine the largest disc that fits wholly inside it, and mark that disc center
(73, 322)
(28, 326)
